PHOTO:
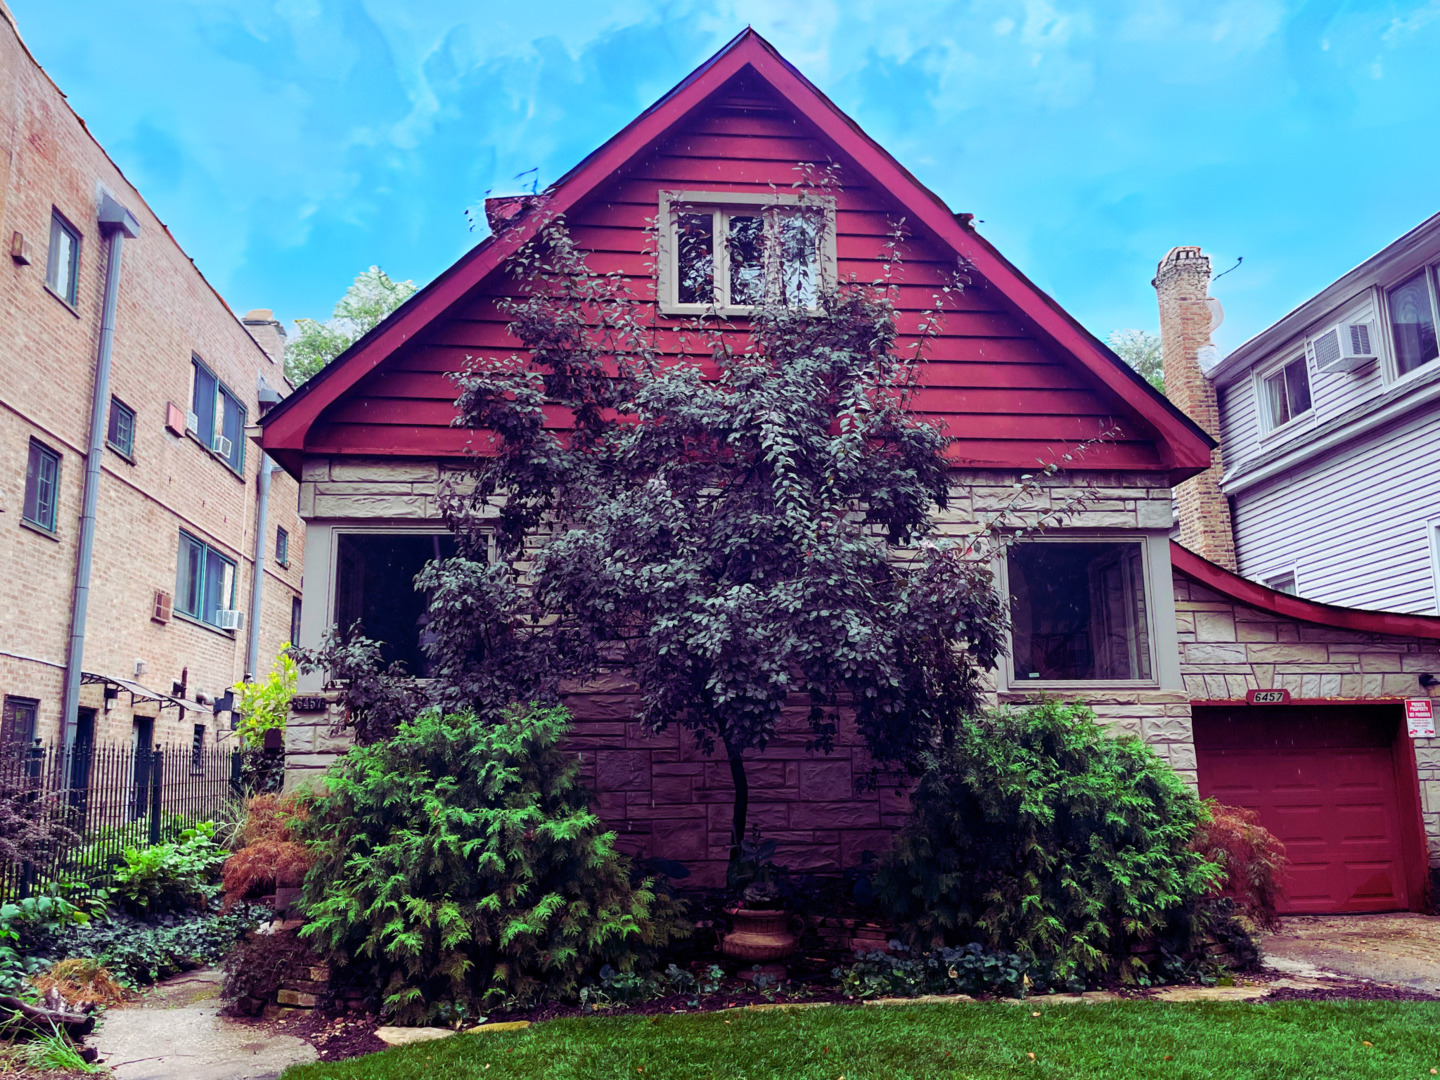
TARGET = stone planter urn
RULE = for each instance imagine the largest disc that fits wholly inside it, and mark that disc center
(762, 936)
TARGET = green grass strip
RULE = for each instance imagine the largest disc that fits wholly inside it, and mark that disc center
(1352, 1040)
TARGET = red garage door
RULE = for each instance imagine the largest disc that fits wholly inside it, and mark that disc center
(1323, 779)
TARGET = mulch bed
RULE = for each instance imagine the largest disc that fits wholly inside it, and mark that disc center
(1348, 992)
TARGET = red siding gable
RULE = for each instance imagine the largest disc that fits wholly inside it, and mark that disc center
(1003, 387)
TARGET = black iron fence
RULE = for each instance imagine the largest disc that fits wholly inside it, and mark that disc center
(108, 798)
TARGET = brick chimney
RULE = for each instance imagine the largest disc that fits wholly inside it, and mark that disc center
(267, 332)
(1187, 316)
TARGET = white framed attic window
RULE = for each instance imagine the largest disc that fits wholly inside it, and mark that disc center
(725, 252)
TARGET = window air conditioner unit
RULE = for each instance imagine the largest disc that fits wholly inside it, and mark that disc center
(230, 620)
(1346, 347)
(223, 446)
(192, 422)
(164, 606)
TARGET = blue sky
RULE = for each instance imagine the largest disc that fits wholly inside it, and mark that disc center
(291, 143)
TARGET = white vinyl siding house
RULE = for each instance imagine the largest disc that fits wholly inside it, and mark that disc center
(1345, 495)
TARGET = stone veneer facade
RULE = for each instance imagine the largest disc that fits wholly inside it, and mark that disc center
(664, 797)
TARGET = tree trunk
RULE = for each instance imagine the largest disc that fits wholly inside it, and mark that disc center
(742, 801)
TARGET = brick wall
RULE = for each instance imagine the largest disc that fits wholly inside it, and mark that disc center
(1182, 284)
(166, 313)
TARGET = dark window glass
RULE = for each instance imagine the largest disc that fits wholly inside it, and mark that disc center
(205, 581)
(203, 404)
(746, 249)
(197, 751)
(62, 269)
(191, 578)
(282, 547)
(42, 486)
(1079, 611)
(17, 722)
(232, 431)
(695, 258)
(295, 620)
(219, 590)
(375, 586)
(1413, 324)
(121, 433)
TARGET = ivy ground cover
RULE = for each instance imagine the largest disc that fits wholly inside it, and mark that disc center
(1353, 1040)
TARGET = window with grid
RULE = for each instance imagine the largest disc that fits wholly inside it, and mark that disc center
(121, 432)
(62, 267)
(282, 547)
(42, 486)
(205, 581)
(1287, 392)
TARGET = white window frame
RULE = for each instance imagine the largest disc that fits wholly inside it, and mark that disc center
(674, 203)
(1432, 527)
(1390, 363)
(1159, 617)
(1292, 572)
(1264, 372)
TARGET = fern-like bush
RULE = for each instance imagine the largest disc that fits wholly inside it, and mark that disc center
(1251, 856)
(459, 864)
(1036, 833)
(269, 850)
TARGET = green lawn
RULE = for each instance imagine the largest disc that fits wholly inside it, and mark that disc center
(1127, 1041)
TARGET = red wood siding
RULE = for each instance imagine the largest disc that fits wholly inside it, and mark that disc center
(1001, 392)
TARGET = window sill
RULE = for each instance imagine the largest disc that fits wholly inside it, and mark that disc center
(1016, 686)
(238, 474)
(49, 534)
(68, 305)
(128, 458)
(1293, 426)
(180, 616)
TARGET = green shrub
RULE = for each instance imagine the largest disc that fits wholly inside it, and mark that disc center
(182, 875)
(139, 953)
(1037, 833)
(458, 863)
(967, 970)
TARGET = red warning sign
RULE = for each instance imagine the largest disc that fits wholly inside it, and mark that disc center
(1420, 717)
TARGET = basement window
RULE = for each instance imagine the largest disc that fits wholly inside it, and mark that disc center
(726, 253)
(1079, 612)
(375, 587)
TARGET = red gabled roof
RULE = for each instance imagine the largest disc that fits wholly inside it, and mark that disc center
(1243, 590)
(1183, 448)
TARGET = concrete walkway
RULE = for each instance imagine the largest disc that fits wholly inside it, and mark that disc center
(176, 1032)
(1400, 950)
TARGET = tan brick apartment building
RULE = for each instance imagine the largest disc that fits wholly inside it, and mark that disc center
(168, 615)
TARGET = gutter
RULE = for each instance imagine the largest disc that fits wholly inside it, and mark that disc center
(116, 223)
(262, 529)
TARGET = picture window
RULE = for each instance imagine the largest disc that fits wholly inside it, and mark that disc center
(375, 587)
(1079, 612)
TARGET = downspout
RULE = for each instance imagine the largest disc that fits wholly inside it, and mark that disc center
(116, 223)
(262, 529)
